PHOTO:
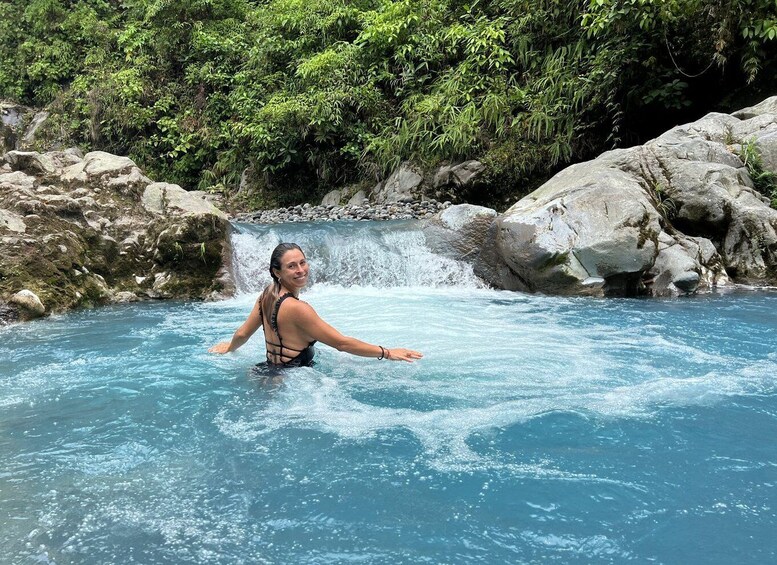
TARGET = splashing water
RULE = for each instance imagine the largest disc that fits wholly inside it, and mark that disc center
(377, 254)
(535, 429)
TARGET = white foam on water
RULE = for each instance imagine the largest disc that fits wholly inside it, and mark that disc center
(519, 362)
(367, 255)
(598, 546)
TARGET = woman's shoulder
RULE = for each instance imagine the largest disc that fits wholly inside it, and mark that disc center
(299, 307)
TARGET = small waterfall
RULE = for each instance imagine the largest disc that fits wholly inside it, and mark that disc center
(370, 254)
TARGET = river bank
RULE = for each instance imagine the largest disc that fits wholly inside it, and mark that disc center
(423, 209)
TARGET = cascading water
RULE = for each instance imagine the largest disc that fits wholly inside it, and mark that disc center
(347, 254)
(535, 429)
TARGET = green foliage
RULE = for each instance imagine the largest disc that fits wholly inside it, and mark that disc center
(43, 44)
(764, 180)
(664, 203)
(311, 94)
(714, 30)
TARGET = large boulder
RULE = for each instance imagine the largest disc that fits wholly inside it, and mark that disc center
(699, 171)
(459, 231)
(590, 228)
(677, 214)
(90, 229)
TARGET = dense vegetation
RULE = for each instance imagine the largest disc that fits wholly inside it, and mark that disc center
(313, 94)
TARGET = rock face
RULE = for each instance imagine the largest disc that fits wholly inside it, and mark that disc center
(457, 181)
(403, 185)
(83, 230)
(677, 214)
(408, 183)
(332, 198)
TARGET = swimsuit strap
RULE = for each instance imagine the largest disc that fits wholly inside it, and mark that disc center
(274, 318)
(274, 326)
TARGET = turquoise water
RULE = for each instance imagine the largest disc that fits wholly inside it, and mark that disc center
(535, 430)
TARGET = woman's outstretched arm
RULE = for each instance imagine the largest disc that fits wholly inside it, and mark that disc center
(309, 322)
(244, 332)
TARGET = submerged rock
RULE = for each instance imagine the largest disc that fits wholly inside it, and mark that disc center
(80, 230)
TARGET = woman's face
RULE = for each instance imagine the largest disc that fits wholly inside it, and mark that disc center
(293, 273)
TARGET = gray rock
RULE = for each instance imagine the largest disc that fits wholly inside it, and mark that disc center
(675, 215)
(86, 221)
(714, 198)
(458, 231)
(161, 198)
(358, 199)
(63, 159)
(404, 185)
(29, 304)
(28, 139)
(74, 174)
(460, 175)
(332, 198)
(16, 180)
(590, 220)
(31, 162)
(683, 264)
(124, 296)
(9, 221)
(134, 179)
(99, 163)
(12, 117)
(768, 106)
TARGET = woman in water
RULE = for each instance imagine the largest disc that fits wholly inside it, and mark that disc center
(291, 327)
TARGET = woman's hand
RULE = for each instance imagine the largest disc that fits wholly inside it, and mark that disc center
(252, 323)
(222, 347)
(401, 354)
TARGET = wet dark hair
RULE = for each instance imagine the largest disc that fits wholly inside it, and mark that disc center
(277, 255)
(273, 290)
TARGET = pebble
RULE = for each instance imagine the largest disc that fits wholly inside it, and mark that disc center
(369, 212)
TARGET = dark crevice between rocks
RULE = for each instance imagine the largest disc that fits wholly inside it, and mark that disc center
(715, 233)
(628, 285)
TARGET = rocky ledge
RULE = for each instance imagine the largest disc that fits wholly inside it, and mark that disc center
(677, 215)
(79, 230)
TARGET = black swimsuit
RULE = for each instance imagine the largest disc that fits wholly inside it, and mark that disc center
(300, 357)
